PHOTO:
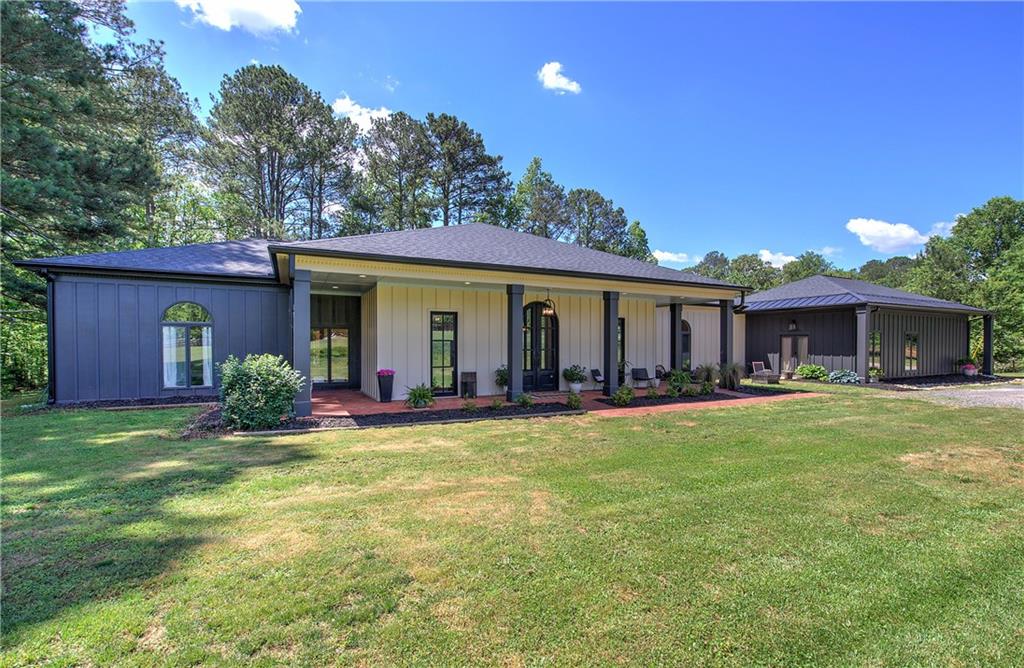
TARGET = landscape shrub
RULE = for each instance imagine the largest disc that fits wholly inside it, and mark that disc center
(623, 396)
(707, 387)
(691, 391)
(729, 376)
(677, 379)
(501, 376)
(420, 396)
(497, 403)
(652, 392)
(524, 400)
(843, 377)
(469, 406)
(574, 401)
(812, 371)
(255, 393)
(705, 373)
(673, 391)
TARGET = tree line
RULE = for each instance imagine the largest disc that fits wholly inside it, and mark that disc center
(980, 263)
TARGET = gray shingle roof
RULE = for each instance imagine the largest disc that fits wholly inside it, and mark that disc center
(242, 259)
(822, 291)
(488, 246)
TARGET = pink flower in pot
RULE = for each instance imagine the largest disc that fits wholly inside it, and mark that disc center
(969, 370)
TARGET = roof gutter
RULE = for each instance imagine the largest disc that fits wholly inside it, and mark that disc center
(43, 269)
(399, 259)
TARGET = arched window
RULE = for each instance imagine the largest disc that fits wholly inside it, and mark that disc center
(187, 346)
(684, 331)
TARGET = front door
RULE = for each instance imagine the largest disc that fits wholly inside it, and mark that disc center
(444, 353)
(794, 352)
(540, 349)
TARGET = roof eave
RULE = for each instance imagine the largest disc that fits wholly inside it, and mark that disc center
(41, 267)
(402, 259)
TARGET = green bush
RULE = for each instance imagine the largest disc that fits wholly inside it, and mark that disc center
(652, 392)
(574, 374)
(705, 373)
(623, 396)
(420, 396)
(574, 401)
(843, 377)
(673, 391)
(677, 380)
(729, 376)
(497, 403)
(524, 400)
(501, 376)
(691, 391)
(469, 406)
(812, 371)
(257, 392)
(707, 387)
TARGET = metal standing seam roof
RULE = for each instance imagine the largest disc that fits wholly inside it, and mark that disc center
(824, 291)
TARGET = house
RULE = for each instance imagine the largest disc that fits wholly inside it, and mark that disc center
(841, 323)
(429, 303)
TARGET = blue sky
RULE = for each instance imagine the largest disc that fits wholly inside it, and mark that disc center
(733, 127)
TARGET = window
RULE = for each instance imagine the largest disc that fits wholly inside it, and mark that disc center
(910, 352)
(443, 352)
(875, 349)
(685, 333)
(621, 348)
(187, 346)
(328, 355)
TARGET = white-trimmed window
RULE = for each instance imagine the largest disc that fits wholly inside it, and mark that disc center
(187, 346)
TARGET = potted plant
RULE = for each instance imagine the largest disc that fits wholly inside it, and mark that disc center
(969, 370)
(501, 376)
(575, 375)
(875, 374)
(963, 362)
(420, 396)
(385, 383)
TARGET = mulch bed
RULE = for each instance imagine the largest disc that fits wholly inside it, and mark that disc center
(644, 400)
(139, 403)
(941, 381)
(208, 424)
(766, 391)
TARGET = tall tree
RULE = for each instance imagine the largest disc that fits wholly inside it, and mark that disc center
(751, 271)
(1003, 293)
(466, 179)
(327, 180)
(72, 163)
(893, 272)
(254, 142)
(636, 245)
(714, 265)
(399, 163)
(807, 264)
(594, 221)
(541, 202)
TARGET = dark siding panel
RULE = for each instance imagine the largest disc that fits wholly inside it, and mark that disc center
(942, 338)
(108, 331)
(831, 336)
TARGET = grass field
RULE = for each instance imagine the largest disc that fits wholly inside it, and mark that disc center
(853, 529)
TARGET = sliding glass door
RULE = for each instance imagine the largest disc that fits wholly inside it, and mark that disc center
(328, 355)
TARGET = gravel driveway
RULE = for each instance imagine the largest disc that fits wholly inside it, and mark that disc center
(1011, 396)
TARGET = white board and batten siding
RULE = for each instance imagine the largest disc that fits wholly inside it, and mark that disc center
(705, 324)
(396, 328)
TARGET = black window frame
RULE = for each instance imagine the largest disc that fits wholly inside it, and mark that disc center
(911, 351)
(188, 326)
(620, 345)
(685, 331)
(875, 349)
(454, 391)
(331, 380)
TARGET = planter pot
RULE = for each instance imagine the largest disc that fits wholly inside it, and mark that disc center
(575, 388)
(788, 375)
(385, 384)
(970, 372)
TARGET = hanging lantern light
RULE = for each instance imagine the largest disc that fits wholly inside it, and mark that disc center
(549, 306)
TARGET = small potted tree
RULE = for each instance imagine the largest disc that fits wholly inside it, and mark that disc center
(501, 377)
(875, 374)
(575, 375)
(385, 384)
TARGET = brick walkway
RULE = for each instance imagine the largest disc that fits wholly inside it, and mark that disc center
(354, 402)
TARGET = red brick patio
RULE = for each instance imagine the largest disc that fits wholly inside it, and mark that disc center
(354, 402)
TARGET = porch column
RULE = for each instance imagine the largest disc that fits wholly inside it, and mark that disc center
(725, 331)
(300, 341)
(986, 360)
(514, 317)
(610, 358)
(861, 351)
(675, 316)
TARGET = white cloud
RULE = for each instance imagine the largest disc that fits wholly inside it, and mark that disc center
(829, 251)
(942, 229)
(777, 260)
(668, 257)
(259, 17)
(887, 237)
(390, 84)
(551, 77)
(360, 115)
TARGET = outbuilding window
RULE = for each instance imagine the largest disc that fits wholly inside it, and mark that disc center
(875, 349)
(910, 351)
(187, 346)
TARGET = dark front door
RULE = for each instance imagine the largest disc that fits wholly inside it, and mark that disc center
(444, 352)
(540, 349)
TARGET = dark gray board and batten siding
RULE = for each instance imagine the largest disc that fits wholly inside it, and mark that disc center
(107, 331)
(832, 334)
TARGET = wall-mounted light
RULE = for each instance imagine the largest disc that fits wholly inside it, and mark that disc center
(549, 307)
(468, 283)
(362, 275)
(792, 325)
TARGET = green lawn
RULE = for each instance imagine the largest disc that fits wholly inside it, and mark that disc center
(853, 529)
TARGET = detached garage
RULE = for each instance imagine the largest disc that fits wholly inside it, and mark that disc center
(841, 323)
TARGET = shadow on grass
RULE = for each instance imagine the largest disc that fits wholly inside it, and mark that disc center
(89, 504)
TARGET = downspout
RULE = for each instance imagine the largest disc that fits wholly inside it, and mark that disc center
(51, 365)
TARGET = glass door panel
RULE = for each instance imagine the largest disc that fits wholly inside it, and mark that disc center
(443, 353)
(319, 360)
(339, 356)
